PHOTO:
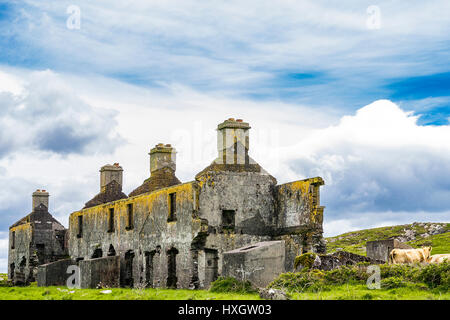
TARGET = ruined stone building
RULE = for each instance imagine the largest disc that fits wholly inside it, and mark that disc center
(232, 219)
(35, 240)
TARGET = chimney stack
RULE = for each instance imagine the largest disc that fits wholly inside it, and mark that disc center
(108, 173)
(233, 141)
(40, 197)
(162, 156)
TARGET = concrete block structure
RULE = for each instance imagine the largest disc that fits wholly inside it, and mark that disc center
(166, 233)
(259, 263)
(380, 249)
(53, 273)
(100, 271)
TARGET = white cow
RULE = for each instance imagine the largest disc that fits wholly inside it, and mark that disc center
(439, 258)
(398, 256)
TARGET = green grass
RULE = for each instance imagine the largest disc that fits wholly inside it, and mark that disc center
(33, 292)
(61, 293)
(332, 292)
(361, 292)
(337, 292)
(439, 242)
(355, 241)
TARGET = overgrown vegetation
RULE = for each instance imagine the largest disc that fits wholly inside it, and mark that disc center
(355, 241)
(232, 285)
(305, 260)
(427, 280)
(3, 280)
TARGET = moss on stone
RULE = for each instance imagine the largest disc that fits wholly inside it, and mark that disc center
(305, 260)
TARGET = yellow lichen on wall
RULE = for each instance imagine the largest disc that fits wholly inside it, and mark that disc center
(99, 214)
(22, 227)
(309, 192)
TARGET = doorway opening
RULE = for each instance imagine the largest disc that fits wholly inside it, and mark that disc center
(172, 268)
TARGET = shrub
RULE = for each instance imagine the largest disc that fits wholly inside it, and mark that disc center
(299, 281)
(232, 285)
(435, 275)
(346, 274)
(392, 282)
(404, 271)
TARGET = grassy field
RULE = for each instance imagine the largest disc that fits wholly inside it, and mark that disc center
(342, 292)
(361, 292)
(356, 241)
(336, 292)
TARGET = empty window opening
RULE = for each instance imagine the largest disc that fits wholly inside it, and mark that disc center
(60, 238)
(128, 272)
(149, 268)
(23, 264)
(111, 220)
(98, 253)
(13, 240)
(235, 146)
(130, 218)
(195, 281)
(172, 207)
(228, 220)
(40, 252)
(111, 251)
(314, 192)
(248, 248)
(212, 266)
(80, 227)
(172, 268)
(12, 269)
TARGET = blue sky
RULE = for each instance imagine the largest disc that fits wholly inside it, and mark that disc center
(306, 74)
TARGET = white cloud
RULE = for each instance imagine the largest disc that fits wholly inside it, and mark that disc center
(377, 160)
(234, 45)
(45, 114)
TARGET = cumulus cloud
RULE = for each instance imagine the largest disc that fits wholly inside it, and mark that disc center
(378, 165)
(48, 115)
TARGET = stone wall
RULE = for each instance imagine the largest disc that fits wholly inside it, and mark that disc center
(54, 273)
(104, 272)
(144, 249)
(19, 270)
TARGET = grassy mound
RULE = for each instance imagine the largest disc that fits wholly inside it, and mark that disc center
(355, 241)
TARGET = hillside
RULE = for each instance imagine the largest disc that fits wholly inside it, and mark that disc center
(416, 234)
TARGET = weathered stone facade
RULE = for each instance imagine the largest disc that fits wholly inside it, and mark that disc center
(173, 234)
(34, 240)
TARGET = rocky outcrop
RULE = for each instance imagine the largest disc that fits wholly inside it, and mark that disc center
(332, 261)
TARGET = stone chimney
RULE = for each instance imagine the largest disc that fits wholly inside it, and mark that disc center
(162, 156)
(108, 173)
(233, 141)
(40, 197)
